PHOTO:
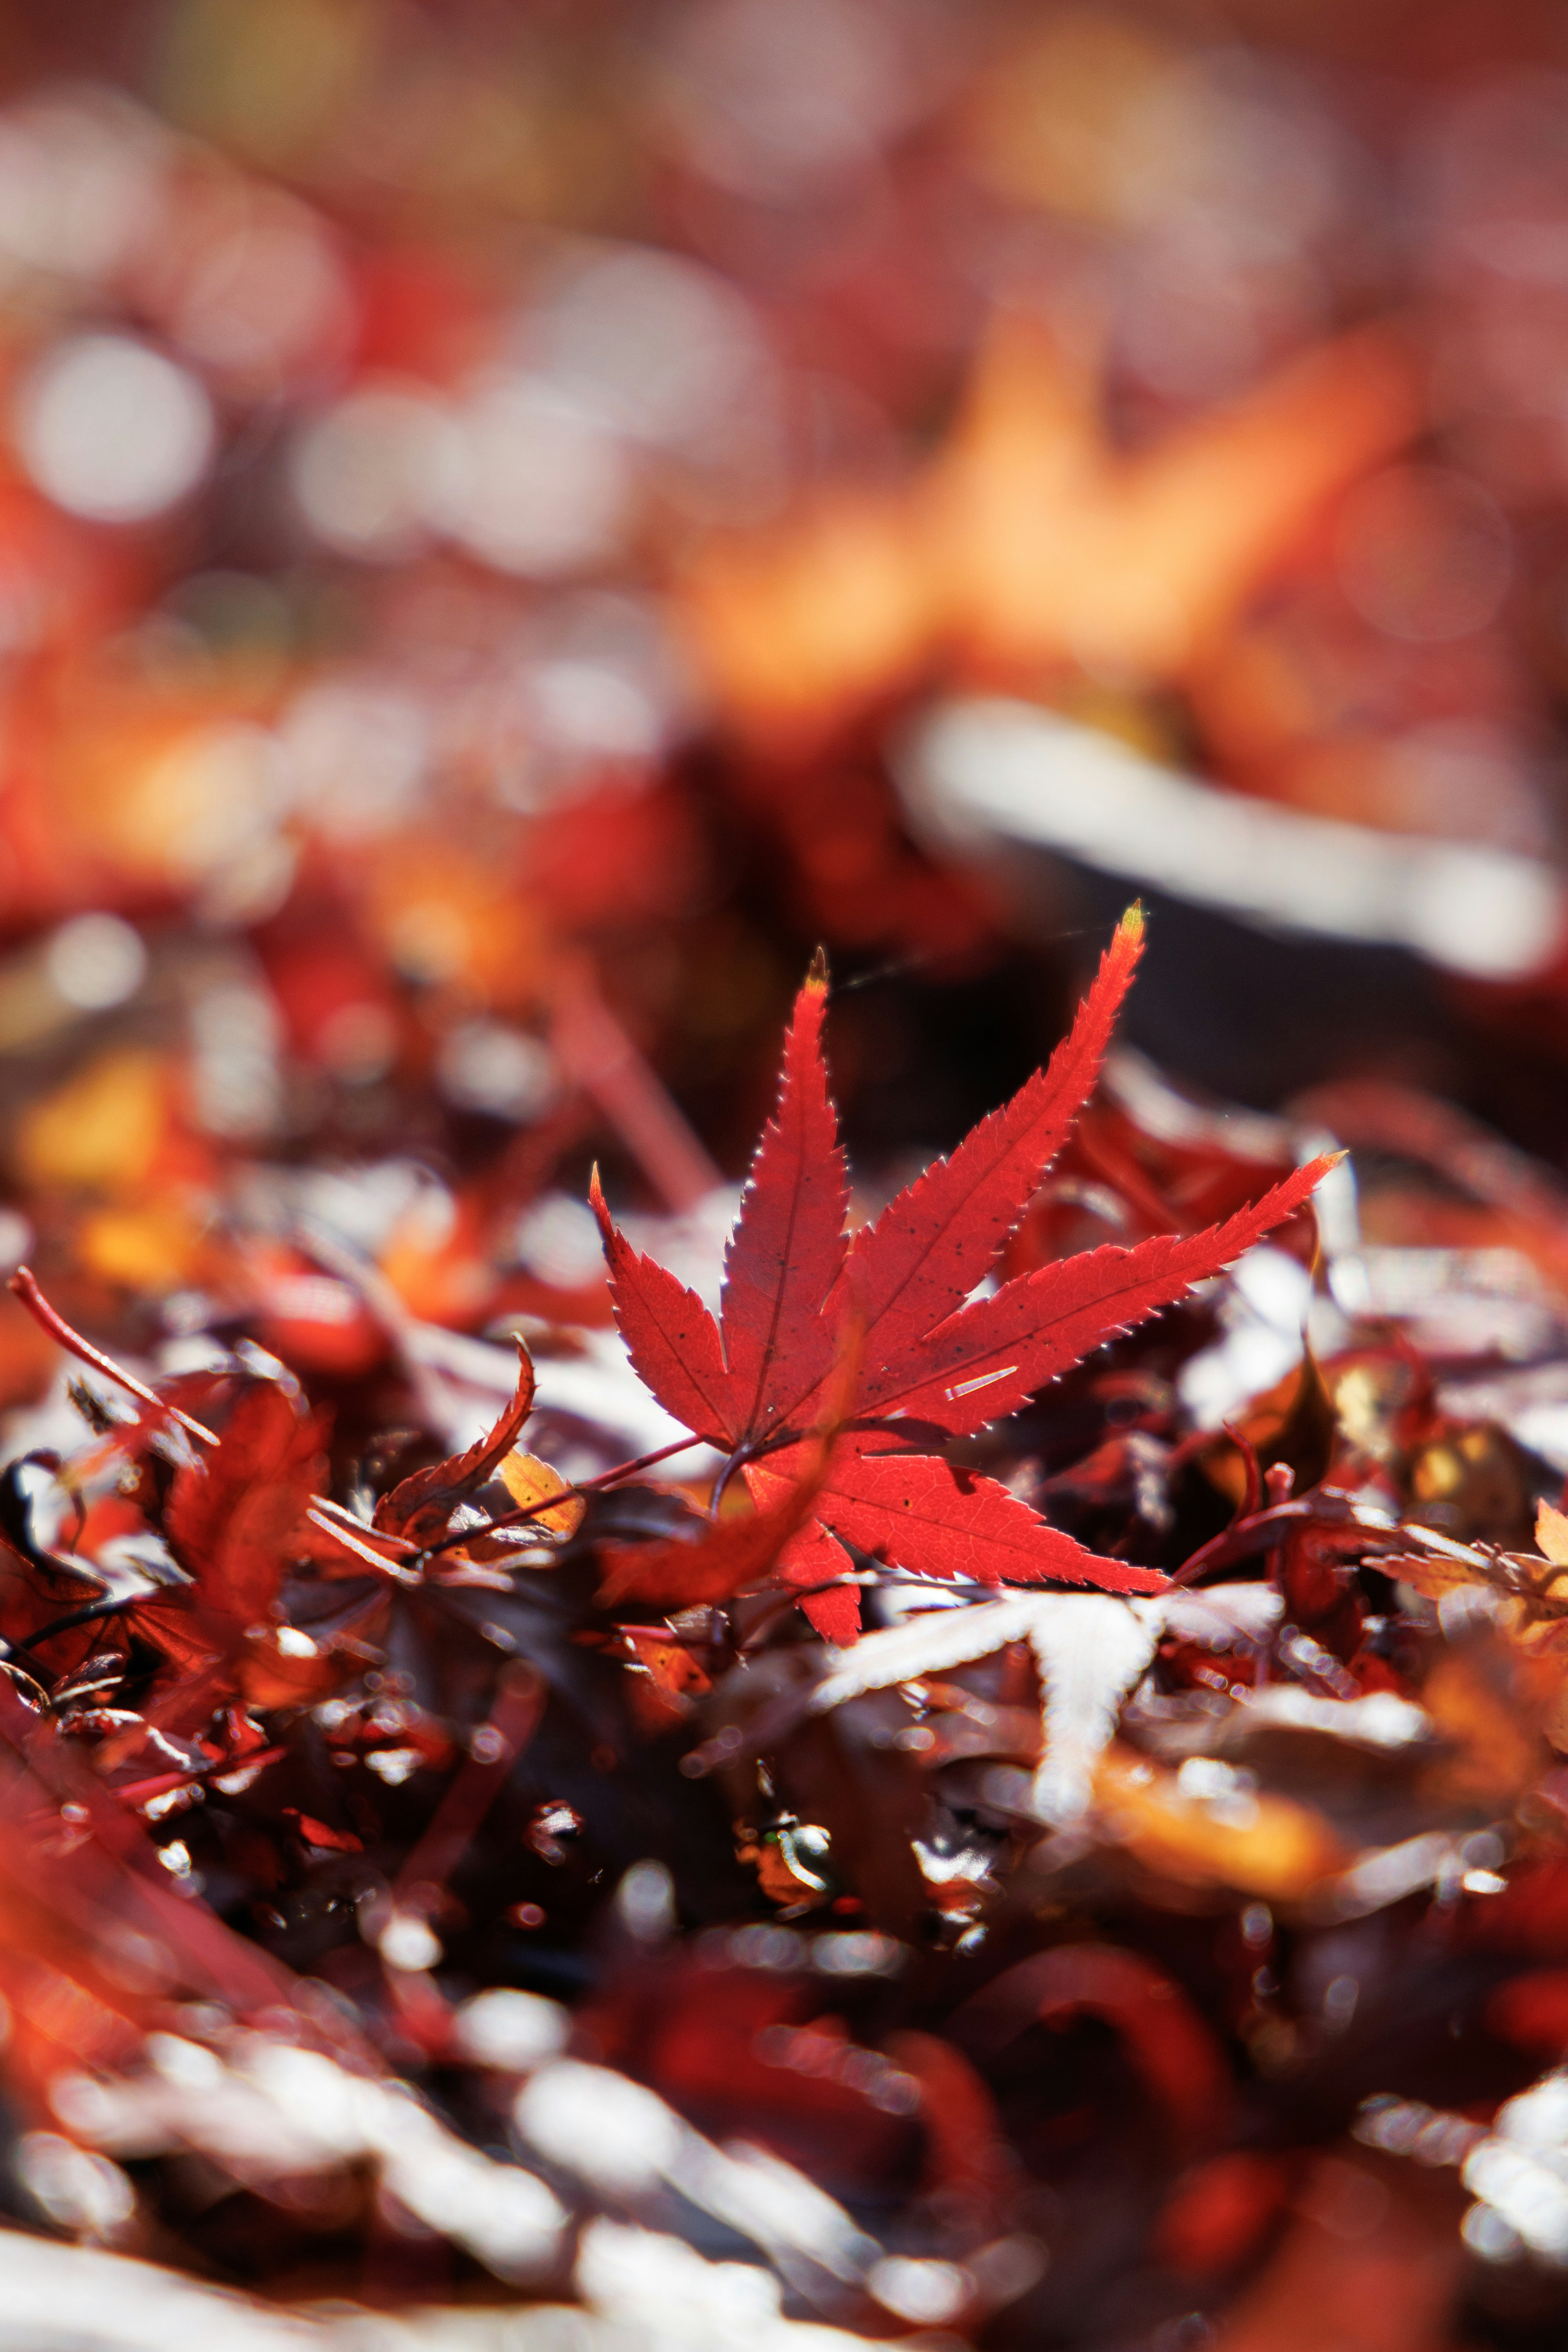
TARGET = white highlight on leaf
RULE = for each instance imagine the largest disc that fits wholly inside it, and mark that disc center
(985, 1381)
(1090, 1649)
(924, 2292)
(96, 961)
(267, 2110)
(78, 2190)
(642, 2290)
(624, 2143)
(112, 430)
(408, 1943)
(621, 2139)
(1381, 1720)
(1386, 1875)
(1519, 2173)
(650, 2292)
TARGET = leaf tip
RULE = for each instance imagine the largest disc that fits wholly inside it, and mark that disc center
(596, 1201)
(1130, 930)
(816, 977)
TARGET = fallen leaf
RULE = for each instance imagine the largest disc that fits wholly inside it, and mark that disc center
(421, 1505)
(532, 1483)
(932, 1364)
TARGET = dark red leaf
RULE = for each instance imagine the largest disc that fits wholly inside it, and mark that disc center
(231, 1514)
(930, 1245)
(788, 1246)
(420, 1506)
(672, 1339)
(732, 1554)
(985, 1360)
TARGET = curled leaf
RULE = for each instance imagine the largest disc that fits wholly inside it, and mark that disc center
(421, 1505)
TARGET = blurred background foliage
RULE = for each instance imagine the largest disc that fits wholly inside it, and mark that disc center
(486, 491)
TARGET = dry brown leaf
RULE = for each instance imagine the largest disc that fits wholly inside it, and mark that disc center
(1528, 1599)
(531, 1482)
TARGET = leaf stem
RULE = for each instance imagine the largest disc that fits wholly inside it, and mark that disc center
(526, 1511)
(23, 1286)
(741, 1455)
(780, 1603)
(104, 1606)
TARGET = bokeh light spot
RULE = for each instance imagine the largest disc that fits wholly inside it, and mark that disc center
(96, 961)
(112, 431)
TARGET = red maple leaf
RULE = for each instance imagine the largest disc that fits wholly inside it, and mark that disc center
(931, 1366)
(231, 1519)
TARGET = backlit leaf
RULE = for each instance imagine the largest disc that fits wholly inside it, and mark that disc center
(531, 1483)
(927, 1363)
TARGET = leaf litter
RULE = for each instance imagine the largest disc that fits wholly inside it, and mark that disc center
(818, 1885)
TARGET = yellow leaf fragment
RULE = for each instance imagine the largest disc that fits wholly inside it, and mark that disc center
(1262, 1845)
(529, 1480)
(99, 1132)
(1490, 1705)
(1529, 1595)
(154, 1248)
